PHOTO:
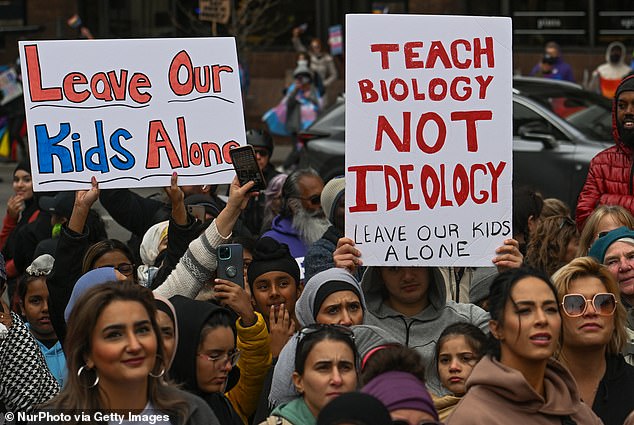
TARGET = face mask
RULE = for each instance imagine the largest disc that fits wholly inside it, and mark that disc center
(615, 58)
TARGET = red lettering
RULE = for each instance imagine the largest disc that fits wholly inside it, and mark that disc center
(361, 203)
(215, 71)
(437, 51)
(460, 178)
(182, 138)
(159, 139)
(485, 195)
(384, 49)
(407, 187)
(484, 84)
(384, 126)
(391, 173)
(466, 89)
(455, 56)
(366, 89)
(495, 175)
(411, 55)
(196, 154)
(69, 83)
(417, 95)
(429, 174)
(36, 91)
(442, 132)
(405, 90)
(97, 80)
(470, 118)
(140, 81)
(444, 202)
(479, 51)
(225, 150)
(118, 86)
(433, 84)
(181, 59)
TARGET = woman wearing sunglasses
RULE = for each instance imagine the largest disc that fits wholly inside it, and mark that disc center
(593, 338)
(518, 382)
(325, 367)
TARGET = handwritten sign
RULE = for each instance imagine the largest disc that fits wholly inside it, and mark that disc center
(131, 112)
(428, 138)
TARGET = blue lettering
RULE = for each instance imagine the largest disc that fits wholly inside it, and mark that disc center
(115, 143)
(101, 164)
(47, 148)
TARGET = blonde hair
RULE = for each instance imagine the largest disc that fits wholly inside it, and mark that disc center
(589, 232)
(554, 206)
(589, 267)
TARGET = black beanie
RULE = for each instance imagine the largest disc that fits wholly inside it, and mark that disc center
(626, 85)
(271, 256)
(354, 407)
(328, 288)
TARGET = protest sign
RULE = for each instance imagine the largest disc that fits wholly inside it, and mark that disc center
(131, 112)
(428, 138)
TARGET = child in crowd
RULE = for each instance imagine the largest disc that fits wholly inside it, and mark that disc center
(460, 347)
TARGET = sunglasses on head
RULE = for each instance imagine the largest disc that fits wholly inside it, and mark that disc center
(319, 327)
(566, 221)
(314, 200)
(575, 305)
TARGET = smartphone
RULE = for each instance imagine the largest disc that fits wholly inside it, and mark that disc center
(246, 166)
(197, 211)
(230, 263)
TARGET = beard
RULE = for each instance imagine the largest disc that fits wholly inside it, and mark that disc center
(311, 226)
(626, 135)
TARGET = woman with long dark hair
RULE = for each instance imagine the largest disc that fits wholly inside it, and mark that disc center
(518, 381)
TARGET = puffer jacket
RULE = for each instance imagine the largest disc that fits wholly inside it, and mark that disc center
(610, 176)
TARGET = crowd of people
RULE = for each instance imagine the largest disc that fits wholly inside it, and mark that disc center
(144, 331)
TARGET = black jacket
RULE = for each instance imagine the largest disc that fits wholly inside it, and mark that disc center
(614, 399)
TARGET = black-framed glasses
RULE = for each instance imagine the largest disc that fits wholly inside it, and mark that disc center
(231, 356)
(125, 269)
(575, 305)
(314, 200)
(319, 327)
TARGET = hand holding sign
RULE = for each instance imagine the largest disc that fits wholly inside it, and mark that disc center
(346, 256)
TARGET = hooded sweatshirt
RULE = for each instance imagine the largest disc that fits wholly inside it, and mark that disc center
(240, 398)
(421, 331)
(607, 76)
(500, 395)
(282, 230)
(610, 178)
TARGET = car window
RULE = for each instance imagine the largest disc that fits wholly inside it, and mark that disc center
(587, 112)
(524, 117)
(334, 118)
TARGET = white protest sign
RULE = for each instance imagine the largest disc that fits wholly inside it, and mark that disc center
(131, 112)
(428, 138)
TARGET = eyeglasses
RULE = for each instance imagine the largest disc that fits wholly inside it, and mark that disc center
(125, 269)
(575, 305)
(231, 356)
(261, 152)
(319, 327)
(423, 422)
(314, 200)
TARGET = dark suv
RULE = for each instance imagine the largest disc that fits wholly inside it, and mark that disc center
(557, 129)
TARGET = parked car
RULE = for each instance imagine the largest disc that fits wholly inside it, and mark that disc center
(557, 129)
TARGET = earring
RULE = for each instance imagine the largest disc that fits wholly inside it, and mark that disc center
(79, 372)
(162, 372)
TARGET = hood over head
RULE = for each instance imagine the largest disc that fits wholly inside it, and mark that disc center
(627, 84)
(305, 306)
(375, 292)
(164, 305)
(191, 316)
(85, 282)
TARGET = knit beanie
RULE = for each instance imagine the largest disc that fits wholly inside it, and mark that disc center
(268, 256)
(401, 390)
(601, 245)
(88, 280)
(354, 407)
(626, 85)
(330, 195)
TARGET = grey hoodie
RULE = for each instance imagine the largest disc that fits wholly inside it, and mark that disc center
(422, 330)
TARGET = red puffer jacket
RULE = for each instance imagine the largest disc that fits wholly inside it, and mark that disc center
(610, 175)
